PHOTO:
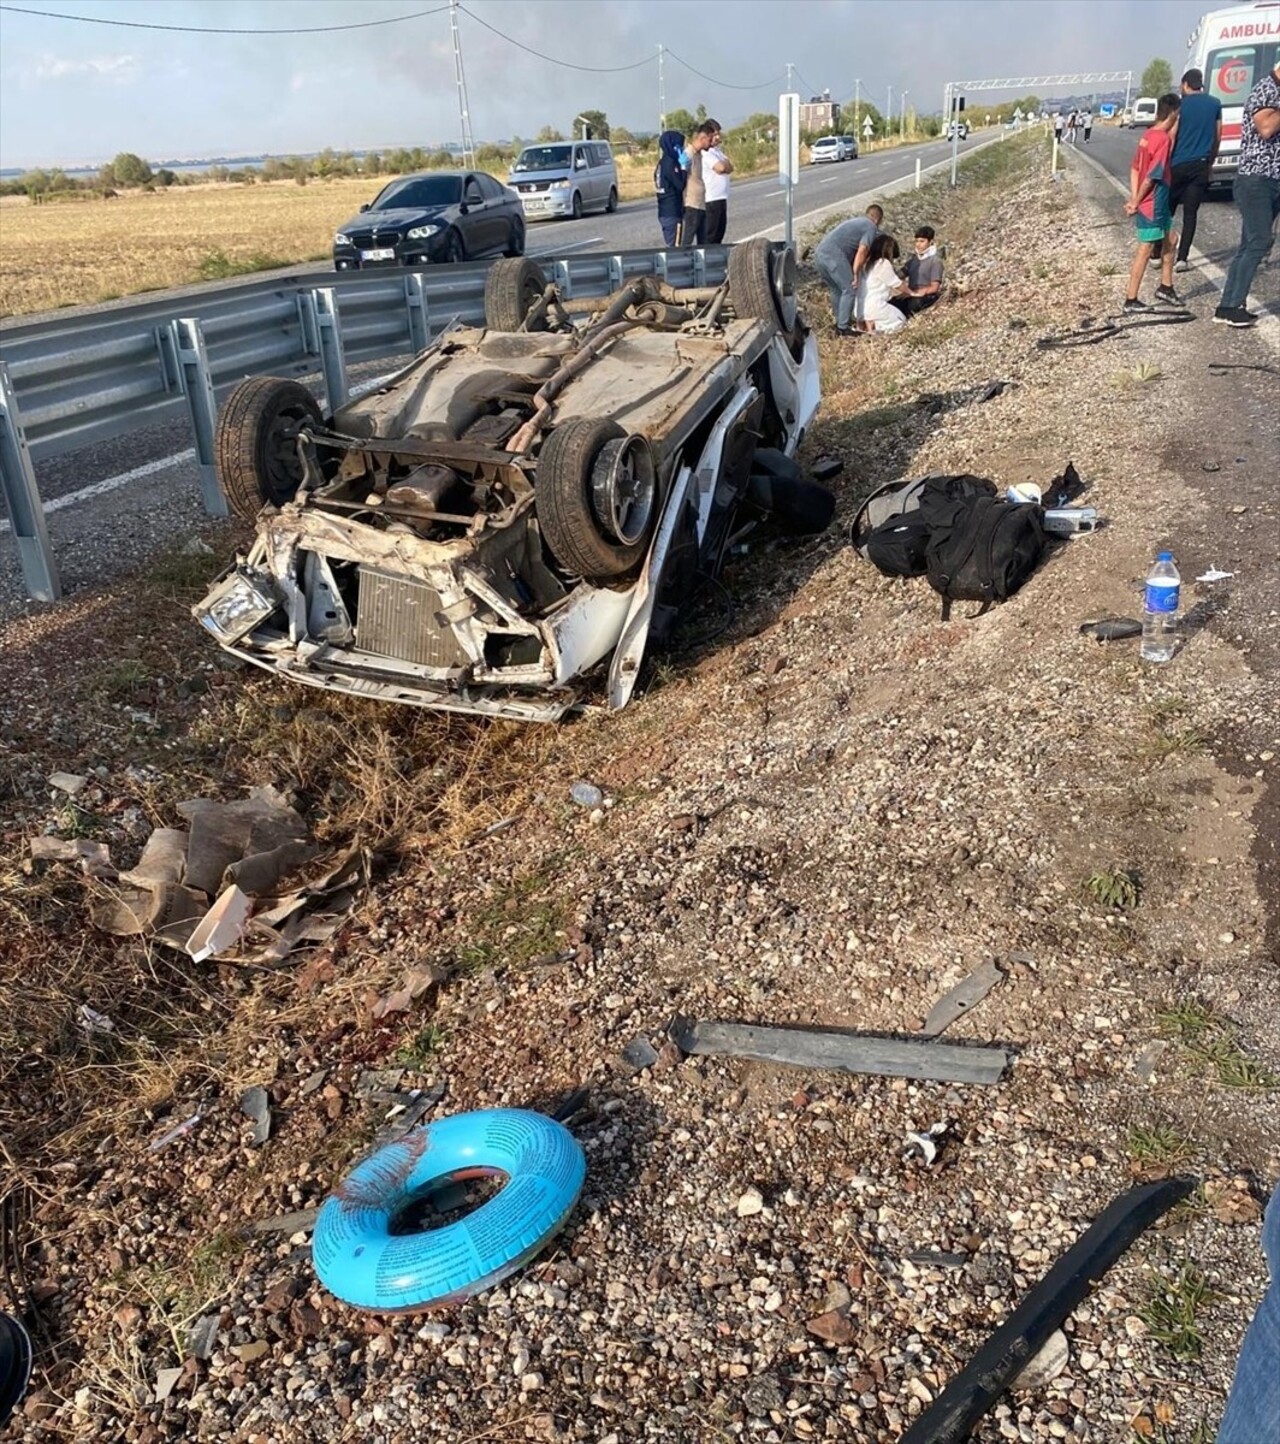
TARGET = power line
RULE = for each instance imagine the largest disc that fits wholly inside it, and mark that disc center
(555, 59)
(216, 30)
(723, 84)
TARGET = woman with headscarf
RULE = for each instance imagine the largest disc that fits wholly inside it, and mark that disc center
(669, 178)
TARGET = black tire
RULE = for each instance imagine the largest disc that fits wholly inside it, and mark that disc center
(571, 526)
(612, 204)
(510, 288)
(762, 285)
(454, 248)
(796, 507)
(577, 205)
(515, 241)
(255, 445)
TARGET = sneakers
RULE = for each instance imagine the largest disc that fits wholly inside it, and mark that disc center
(1182, 266)
(1234, 316)
(1135, 307)
(1167, 296)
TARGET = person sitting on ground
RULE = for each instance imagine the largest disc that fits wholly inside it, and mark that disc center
(924, 275)
(840, 256)
(874, 306)
(668, 182)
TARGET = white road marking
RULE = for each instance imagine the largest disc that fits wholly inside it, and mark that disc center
(150, 468)
(570, 246)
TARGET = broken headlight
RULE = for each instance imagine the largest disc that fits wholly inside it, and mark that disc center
(235, 606)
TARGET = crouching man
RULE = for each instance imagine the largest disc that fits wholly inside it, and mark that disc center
(924, 275)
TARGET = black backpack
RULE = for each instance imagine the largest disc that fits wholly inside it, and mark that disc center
(981, 548)
(955, 530)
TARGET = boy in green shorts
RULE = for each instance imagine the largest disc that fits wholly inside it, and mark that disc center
(1148, 204)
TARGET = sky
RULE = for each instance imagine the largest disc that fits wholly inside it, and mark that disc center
(73, 92)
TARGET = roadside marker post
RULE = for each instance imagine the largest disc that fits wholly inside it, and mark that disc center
(22, 498)
(789, 154)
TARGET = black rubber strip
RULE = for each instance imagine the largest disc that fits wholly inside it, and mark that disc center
(1063, 340)
(950, 1419)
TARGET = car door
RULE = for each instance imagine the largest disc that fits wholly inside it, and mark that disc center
(500, 209)
(477, 224)
(583, 182)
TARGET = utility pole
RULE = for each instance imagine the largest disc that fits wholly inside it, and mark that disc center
(888, 112)
(902, 130)
(1128, 86)
(790, 86)
(464, 111)
(662, 88)
(857, 109)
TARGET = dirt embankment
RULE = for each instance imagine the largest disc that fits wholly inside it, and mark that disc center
(827, 812)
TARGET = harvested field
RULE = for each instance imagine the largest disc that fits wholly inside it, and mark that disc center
(827, 807)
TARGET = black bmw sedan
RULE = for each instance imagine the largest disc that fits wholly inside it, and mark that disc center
(438, 216)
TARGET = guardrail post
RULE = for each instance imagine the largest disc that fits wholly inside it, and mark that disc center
(660, 265)
(22, 498)
(699, 267)
(564, 279)
(415, 297)
(615, 273)
(329, 329)
(197, 387)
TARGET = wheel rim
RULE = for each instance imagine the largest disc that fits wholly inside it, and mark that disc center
(280, 464)
(577, 206)
(785, 278)
(453, 252)
(624, 489)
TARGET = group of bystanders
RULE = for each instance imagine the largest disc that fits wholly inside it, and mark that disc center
(691, 181)
(856, 260)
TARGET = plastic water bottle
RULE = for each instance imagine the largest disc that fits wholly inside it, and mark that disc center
(1160, 610)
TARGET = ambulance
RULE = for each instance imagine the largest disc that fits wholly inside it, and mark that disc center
(1234, 48)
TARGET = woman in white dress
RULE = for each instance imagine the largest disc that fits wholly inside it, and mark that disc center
(879, 281)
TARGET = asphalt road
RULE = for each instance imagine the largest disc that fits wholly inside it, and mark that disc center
(1218, 227)
(755, 208)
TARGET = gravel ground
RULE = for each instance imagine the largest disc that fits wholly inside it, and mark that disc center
(828, 814)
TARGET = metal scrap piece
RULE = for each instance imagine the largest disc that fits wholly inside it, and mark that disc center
(255, 1104)
(966, 994)
(913, 1057)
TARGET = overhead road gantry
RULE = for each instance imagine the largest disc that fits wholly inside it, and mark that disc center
(956, 90)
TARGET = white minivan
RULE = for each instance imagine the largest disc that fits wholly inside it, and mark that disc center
(1144, 111)
(565, 178)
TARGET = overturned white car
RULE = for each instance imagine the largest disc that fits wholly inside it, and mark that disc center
(524, 501)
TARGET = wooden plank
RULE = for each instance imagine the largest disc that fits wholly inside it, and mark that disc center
(842, 1052)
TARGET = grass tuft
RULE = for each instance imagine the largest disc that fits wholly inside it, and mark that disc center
(1113, 889)
(1171, 1309)
(1212, 1042)
(216, 265)
(1159, 1148)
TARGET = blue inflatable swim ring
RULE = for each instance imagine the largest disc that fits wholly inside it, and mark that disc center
(359, 1259)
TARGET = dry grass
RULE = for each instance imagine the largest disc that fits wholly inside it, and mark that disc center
(82, 252)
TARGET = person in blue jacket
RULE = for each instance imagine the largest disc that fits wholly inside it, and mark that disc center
(669, 176)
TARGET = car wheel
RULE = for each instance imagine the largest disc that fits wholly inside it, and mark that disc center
(510, 288)
(612, 204)
(255, 446)
(454, 250)
(515, 241)
(763, 285)
(597, 498)
(577, 205)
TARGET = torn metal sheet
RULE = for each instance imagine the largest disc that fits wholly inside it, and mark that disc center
(1013, 1346)
(966, 994)
(256, 1105)
(413, 985)
(913, 1057)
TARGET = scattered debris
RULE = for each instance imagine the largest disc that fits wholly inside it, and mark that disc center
(202, 1337)
(640, 1053)
(162, 860)
(180, 1131)
(251, 1352)
(1214, 575)
(586, 794)
(750, 1203)
(406, 1113)
(1144, 1065)
(1053, 1358)
(69, 782)
(1231, 1200)
(413, 985)
(913, 1057)
(94, 1022)
(966, 994)
(222, 927)
(1111, 629)
(927, 1258)
(927, 1142)
(826, 467)
(301, 1221)
(1025, 1332)
(1211, 466)
(255, 1104)
(379, 1083)
(496, 827)
(165, 1381)
(94, 857)
(833, 1327)
(259, 838)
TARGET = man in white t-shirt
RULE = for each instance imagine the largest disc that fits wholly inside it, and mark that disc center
(716, 170)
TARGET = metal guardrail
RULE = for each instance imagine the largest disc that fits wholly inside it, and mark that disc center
(74, 382)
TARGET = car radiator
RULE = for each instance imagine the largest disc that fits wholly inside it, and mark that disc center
(400, 618)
